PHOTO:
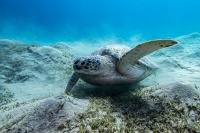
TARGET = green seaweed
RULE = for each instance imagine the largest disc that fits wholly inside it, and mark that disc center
(5, 96)
(136, 111)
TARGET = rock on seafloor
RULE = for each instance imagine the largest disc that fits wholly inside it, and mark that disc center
(186, 92)
(43, 115)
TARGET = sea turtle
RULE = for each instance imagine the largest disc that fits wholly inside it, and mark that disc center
(117, 64)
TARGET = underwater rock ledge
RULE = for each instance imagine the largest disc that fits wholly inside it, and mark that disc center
(31, 62)
(32, 71)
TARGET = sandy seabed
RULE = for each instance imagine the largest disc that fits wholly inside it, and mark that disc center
(33, 79)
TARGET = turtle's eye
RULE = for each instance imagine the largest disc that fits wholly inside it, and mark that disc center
(77, 67)
(82, 63)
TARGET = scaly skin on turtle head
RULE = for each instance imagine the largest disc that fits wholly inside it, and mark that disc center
(88, 65)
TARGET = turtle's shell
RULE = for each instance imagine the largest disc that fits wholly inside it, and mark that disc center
(115, 51)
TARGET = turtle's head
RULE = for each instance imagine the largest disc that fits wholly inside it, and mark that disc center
(88, 65)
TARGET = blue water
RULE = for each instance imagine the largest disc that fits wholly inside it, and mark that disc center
(70, 20)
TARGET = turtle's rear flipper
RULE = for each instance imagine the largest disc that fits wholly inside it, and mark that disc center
(130, 58)
(72, 81)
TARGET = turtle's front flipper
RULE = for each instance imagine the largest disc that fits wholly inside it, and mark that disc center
(72, 81)
(130, 58)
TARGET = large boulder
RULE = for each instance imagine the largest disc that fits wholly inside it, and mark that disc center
(42, 116)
